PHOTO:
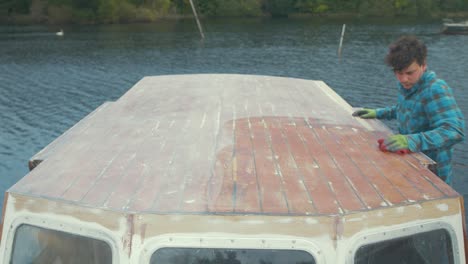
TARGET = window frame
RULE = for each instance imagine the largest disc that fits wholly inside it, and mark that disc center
(382, 235)
(228, 241)
(57, 225)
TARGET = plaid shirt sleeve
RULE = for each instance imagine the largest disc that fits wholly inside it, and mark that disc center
(444, 117)
(386, 112)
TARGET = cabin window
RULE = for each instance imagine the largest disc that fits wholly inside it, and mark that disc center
(422, 248)
(229, 256)
(44, 246)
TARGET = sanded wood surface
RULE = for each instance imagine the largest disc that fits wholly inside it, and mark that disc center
(234, 144)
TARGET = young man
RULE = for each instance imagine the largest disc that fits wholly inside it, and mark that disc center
(428, 116)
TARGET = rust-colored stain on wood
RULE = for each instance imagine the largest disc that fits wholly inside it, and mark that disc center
(229, 144)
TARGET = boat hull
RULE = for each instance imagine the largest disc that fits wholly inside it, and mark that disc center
(455, 28)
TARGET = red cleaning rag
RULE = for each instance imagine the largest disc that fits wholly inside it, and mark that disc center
(383, 148)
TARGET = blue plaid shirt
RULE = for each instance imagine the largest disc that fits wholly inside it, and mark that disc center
(429, 115)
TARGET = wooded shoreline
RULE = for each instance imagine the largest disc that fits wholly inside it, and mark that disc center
(136, 11)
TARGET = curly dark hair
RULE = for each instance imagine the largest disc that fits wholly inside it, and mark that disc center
(405, 51)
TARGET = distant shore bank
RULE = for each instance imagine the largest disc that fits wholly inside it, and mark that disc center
(42, 19)
(37, 16)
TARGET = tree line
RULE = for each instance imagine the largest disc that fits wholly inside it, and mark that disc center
(121, 11)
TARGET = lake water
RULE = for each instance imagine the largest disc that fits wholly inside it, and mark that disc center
(48, 83)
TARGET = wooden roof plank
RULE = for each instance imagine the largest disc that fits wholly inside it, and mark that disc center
(397, 179)
(124, 190)
(159, 164)
(321, 193)
(102, 187)
(69, 135)
(413, 175)
(221, 193)
(360, 156)
(271, 194)
(440, 185)
(169, 195)
(296, 193)
(319, 188)
(244, 171)
(346, 195)
(76, 181)
(195, 194)
(301, 158)
(221, 186)
(111, 162)
(343, 153)
(81, 181)
(277, 120)
(273, 184)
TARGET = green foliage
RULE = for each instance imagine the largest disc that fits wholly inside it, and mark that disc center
(239, 8)
(16, 6)
(83, 15)
(452, 5)
(60, 2)
(249, 8)
(279, 8)
(424, 7)
(22, 6)
(163, 6)
(114, 11)
(126, 12)
(377, 8)
(321, 8)
(407, 8)
(60, 14)
(305, 6)
(183, 6)
(401, 4)
(85, 4)
(152, 9)
(145, 15)
(137, 2)
(208, 7)
(107, 11)
(312, 6)
(229, 8)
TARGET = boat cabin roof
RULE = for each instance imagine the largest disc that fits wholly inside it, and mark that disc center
(228, 144)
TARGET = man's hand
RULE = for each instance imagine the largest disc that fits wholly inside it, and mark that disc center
(396, 143)
(366, 113)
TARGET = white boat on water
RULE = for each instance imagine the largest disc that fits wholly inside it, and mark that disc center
(225, 168)
(455, 27)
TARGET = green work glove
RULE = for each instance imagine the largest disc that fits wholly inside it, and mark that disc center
(396, 143)
(366, 113)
